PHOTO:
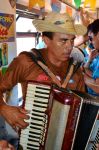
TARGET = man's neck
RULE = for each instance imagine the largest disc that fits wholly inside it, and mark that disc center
(55, 61)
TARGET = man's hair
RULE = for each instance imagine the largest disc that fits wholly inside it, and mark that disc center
(48, 34)
(89, 28)
(95, 26)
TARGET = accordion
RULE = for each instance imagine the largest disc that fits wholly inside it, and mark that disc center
(59, 119)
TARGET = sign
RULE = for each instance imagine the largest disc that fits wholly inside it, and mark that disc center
(7, 31)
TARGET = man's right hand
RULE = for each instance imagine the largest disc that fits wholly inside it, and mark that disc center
(15, 116)
(4, 145)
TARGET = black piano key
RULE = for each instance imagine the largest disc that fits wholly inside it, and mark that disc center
(32, 148)
(40, 92)
(47, 89)
(41, 97)
(33, 136)
(33, 140)
(35, 114)
(36, 119)
(35, 127)
(32, 127)
(36, 124)
(35, 133)
(39, 106)
(32, 145)
(41, 102)
(96, 141)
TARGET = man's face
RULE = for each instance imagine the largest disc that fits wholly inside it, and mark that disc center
(95, 40)
(60, 46)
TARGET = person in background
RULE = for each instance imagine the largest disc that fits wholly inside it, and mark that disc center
(88, 46)
(91, 75)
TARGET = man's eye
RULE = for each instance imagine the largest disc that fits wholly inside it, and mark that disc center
(72, 40)
(64, 41)
(90, 38)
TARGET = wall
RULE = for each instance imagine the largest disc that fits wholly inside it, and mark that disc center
(6, 8)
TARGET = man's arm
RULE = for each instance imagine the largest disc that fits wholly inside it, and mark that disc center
(91, 83)
(15, 73)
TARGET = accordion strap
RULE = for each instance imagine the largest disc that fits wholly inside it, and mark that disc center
(69, 75)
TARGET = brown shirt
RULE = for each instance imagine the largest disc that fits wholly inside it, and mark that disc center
(23, 69)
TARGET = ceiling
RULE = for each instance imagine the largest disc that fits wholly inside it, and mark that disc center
(22, 9)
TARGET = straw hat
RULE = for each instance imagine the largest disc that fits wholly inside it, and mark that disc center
(58, 22)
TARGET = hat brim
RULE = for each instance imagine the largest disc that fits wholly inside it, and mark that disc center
(45, 26)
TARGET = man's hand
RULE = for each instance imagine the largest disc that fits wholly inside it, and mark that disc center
(14, 116)
(88, 80)
(97, 146)
(93, 54)
(4, 145)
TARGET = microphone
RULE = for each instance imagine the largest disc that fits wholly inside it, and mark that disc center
(77, 55)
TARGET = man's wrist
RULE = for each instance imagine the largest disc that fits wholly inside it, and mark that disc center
(2, 104)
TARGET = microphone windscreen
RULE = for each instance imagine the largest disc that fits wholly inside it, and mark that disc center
(77, 55)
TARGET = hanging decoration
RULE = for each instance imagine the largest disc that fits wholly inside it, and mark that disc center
(56, 5)
(12, 3)
(92, 3)
(77, 3)
(69, 9)
(40, 3)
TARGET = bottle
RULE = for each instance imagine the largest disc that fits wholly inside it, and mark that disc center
(0, 57)
(4, 48)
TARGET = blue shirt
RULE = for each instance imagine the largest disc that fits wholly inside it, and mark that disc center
(94, 67)
(86, 53)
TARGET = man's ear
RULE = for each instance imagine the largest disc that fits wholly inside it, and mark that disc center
(98, 35)
(46, 40)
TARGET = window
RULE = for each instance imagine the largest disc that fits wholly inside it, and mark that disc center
(26, 33)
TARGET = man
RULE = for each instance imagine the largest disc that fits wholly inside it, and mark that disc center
(58, 31)
(92, 66)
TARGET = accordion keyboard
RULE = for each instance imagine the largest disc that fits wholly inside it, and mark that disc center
(94, 138)
(96, 141)
(36, 102)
